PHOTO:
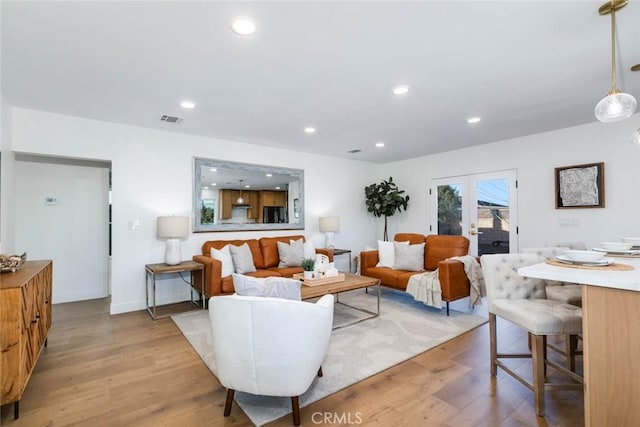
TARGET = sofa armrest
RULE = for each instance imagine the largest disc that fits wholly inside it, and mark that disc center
(327, 252)
(453, 280)
(368, 259)
(212, 276)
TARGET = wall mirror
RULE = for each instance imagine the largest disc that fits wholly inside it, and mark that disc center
(233, 196)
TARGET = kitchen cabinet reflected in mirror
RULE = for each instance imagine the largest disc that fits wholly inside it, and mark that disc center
(233, 196)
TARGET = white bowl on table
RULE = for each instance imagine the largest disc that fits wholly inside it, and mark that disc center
(635, 241)
(616, 246)
(584, 256)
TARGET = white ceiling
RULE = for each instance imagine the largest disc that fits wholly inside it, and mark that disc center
(524, 67)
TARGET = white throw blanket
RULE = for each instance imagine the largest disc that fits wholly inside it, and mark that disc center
(425, 287)
(473, 270)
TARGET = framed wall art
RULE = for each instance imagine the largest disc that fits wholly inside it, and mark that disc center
(580, 186)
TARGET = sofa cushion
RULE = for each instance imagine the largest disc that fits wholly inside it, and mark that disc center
(412, 238)
(408, 257)
(242, 259)
(290, 254)
(439, 248)
(386, 253)
(386, 275)
(269, 249)
(286, 271)
(224, 256)
(278, 287)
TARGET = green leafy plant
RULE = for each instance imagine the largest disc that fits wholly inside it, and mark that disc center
(308, 264)
(384, 199)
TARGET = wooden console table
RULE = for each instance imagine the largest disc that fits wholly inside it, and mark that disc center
(25, 318)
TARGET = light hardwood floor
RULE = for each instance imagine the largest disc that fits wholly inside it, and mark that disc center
(128, 370)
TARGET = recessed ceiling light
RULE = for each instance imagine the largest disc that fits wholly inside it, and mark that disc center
(206, 188)
(277, 188)
(269, 175)
(188, 105)
(213, 170)
(379, 144)
(243, 26)
(310, 129)
(247, 186)
(400, 90)
(473, 119)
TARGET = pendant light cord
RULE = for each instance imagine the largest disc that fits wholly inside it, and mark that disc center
(614, 88)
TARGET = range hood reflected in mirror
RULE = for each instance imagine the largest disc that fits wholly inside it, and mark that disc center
(272, 197)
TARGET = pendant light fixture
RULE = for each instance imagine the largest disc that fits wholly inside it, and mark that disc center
(616, 105)
(240, 200)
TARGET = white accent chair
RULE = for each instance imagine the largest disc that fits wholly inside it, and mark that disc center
(269, 346)
(522, 301)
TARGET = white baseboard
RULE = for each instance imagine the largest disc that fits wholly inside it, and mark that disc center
(58, 299)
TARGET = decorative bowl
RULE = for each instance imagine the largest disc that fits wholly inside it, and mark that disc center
(635, 241)
(12, 262)
(616, 246)
(584, 256)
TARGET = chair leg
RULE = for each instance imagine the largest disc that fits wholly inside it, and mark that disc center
(493, 344)
(320, 371)
(447, 308)
(538, 359)
(571, 342)
(228, 402)
(295, 405)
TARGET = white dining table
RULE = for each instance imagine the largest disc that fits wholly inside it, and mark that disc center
(611, 338)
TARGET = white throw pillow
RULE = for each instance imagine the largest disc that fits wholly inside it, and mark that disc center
(291, 254)
(277, 287)
(242, 259)
(309, 249)
(224, 256)
(409, 257)
(386, 253)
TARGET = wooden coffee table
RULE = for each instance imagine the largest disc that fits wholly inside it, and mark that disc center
(350, 283)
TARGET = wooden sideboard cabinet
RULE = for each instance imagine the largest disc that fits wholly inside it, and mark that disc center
(25, 318)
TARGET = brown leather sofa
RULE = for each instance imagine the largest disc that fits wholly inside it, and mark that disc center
(265, 258)
(453, 280)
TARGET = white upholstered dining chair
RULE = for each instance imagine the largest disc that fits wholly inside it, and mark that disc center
(568, 293)
(522, 301)
(269, 346)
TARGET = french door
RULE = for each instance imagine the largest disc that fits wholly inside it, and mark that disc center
(481, 207)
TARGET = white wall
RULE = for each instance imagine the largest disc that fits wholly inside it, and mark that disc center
(152, 176)
(535, 158)
(73, 232)
(7, 189)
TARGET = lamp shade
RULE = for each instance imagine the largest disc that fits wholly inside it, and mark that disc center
(172, 227)
(329, 224)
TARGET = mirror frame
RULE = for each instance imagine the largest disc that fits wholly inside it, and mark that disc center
(200, 163)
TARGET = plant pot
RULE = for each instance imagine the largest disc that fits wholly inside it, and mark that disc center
(308, 274)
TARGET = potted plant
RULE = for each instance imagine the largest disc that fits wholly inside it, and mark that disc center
(384, 199)
(308, 265)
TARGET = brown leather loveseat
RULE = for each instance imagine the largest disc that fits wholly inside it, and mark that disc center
(453, 280)
(265, 258)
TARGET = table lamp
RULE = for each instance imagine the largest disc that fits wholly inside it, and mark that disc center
(172, 228)
(329, 225)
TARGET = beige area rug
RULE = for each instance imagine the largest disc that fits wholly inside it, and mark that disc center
(404, 329)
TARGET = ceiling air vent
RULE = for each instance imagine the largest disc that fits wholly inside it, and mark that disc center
(354, 151)
(170, 119)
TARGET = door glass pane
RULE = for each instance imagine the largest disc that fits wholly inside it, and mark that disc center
(493, 216)
(450, 209)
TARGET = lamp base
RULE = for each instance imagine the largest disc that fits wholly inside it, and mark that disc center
(172, 255)
(328, 240)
